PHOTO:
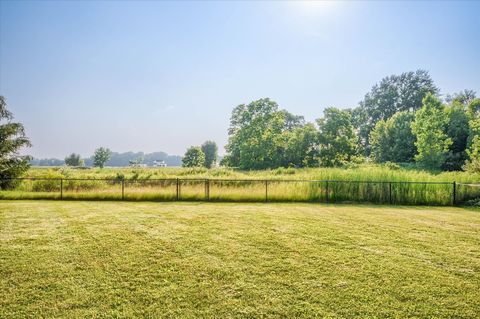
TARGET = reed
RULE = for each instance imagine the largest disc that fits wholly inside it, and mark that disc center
(369, 183)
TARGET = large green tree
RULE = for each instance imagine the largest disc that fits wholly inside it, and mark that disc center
(395, 93)
(429, 129)
(101, 156)
(258, 135)
(194, 157)
(12, 140)
(210, 149)
(337, 142)
(473, 141)
(301, 146)
(392, 140)
(457, 131)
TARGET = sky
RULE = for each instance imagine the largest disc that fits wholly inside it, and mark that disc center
(163, 76)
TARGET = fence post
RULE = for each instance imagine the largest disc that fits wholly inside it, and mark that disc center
(390, 193)
(61, 188)
(326, 192)
(123, 188)
(266, 191)
(207, 189)
(454, 198)
(178, 189)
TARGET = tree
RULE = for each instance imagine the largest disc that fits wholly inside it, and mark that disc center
(336, 137)
(392, 140)
(210, 150)
(74, 160)
(12, 140)
(473, 109)
(301, 147)
(380, 143)
(473, 141)
(395, 93)
(258, 135)
(473, 163)
(464, 97)
(458, 131)
(101, 157)
(429, 129)
(194, 157)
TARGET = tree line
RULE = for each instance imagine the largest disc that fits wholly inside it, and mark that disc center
(401, 120)
(117, 159)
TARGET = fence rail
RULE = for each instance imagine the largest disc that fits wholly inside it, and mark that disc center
(252, 190)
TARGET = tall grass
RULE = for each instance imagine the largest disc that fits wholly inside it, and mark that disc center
(360, 173)
(375, 184)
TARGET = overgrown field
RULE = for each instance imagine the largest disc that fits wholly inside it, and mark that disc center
(385, 185)
(357, 173)
(204, 260)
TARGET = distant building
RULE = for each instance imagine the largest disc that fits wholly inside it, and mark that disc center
(158, 163)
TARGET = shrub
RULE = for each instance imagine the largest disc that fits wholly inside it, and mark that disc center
(392, 166)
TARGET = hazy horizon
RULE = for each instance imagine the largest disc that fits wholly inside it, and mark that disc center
(162, 76)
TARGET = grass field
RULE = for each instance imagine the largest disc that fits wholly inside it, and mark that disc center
(205, 260)
(361, 184)
(365, 172)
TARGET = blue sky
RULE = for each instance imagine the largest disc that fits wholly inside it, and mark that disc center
(162, 76)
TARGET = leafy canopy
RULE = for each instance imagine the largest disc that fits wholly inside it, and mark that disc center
(210, 149)
(258, 135)
(194, 157)
(101, 156)
(74, 160)
(12, 140)
(336, 138)
(429, 128)
(392, 140)
(395, 93)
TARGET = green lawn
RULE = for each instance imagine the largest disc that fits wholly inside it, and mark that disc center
(205, 260)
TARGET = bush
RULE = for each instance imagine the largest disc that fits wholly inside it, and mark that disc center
(391, 166)
(284, 171)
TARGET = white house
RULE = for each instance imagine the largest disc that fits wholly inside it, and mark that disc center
(159, 163)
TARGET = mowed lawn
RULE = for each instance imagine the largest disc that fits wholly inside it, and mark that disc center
(205, 260)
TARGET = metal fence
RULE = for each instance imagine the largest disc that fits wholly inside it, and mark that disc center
(246, 190)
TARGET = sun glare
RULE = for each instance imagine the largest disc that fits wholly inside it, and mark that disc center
(314, 7)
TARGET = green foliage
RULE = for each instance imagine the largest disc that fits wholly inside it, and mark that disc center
(473, 164)
(474, 108)
(473, 150)
(74, 160)
(457, 131)
(429, 128)
(143, 184)
(194, 157)
(210, 150)
(101, 157)
(464, 97)
(336, 138)
(393, 94)
(300, 150)
(393, 140)
(259, 135)
(392, 166)
(12, 140)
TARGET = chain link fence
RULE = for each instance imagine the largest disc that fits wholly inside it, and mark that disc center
(248, 190)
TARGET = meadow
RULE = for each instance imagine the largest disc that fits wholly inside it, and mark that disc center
(357, 172)
(367, 183)
(224, 260)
